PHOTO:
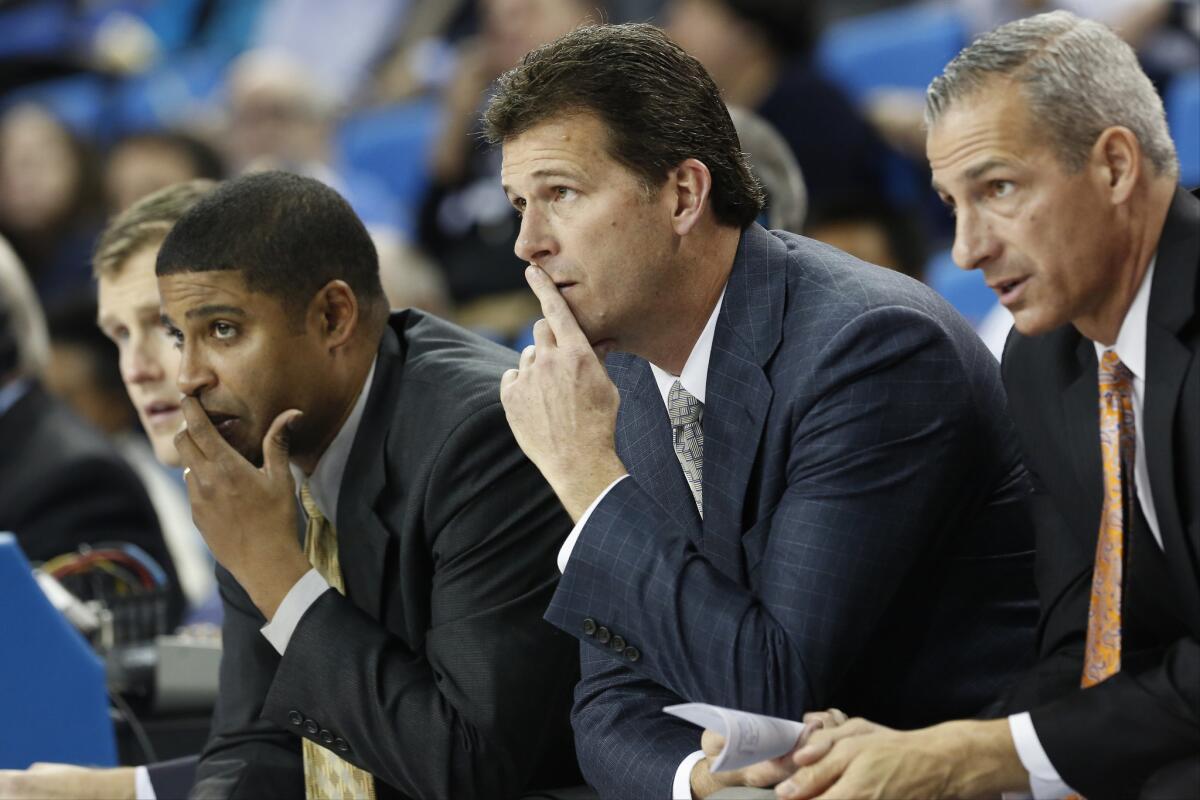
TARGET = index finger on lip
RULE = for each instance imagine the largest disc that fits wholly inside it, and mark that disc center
(200, 429)
(558, 315)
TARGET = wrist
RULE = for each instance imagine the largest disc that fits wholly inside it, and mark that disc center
(267, 586)
(577, 488)
(705, 782)
(987, 759)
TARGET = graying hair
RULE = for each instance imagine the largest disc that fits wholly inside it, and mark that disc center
(1078, 77)
(26, 322)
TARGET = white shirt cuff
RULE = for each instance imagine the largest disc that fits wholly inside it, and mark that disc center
(564, 553)
(302, 595)
(143, 789)
(681, 789)
(1044, 780)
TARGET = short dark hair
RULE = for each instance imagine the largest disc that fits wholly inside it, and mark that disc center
(288, 235)
(658, 103)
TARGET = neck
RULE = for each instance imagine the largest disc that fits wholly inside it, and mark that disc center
(707, 270)
(327, 429)
(1147, 217)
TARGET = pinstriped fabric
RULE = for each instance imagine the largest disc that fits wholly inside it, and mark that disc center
(684, 412)
(1102, 657)
(326, 776)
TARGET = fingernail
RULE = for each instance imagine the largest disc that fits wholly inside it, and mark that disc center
(786, 789)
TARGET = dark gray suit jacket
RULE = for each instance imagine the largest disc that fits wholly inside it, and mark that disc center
(865, 542)
(1108, 740)
(436, 672)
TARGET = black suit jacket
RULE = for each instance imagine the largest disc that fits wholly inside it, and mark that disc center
(436, 672)
(62, 485)
(865, 541)
(1105, 741)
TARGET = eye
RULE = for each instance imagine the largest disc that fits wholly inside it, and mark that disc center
(519, 204)
(223, 330)
(563, 193)
(1001, 188)
(175, 335)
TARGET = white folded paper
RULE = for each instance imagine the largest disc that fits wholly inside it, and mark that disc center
(749, 738)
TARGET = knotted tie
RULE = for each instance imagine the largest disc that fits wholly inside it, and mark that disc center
(1118, 443)
(326, 776)
(684, 412)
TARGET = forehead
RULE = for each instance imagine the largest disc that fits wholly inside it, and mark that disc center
(993, 122)
(575, 144)
(183, 292)
(133, 286)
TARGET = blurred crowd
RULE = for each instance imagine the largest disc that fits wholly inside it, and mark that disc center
(104, 101)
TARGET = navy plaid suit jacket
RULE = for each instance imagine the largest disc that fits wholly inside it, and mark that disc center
(865, 541)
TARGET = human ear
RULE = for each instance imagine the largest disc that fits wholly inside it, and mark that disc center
(692, 183)
(335, 309)
(1118, 157)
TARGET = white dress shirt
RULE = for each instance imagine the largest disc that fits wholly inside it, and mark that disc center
(1130, 347)
(694, 379)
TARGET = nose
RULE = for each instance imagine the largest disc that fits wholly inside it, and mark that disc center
(195, 375)
(535, 242)
(140, 362)
(975, 245)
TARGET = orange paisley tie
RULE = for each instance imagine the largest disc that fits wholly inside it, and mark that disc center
(1102, 657)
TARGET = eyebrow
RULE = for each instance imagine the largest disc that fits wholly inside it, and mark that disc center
(974, 172)
(205, 311)
(542, 174)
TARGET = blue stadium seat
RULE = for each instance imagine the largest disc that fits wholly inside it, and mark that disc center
(392, 143)
(903, 47)
(1182, 100)
(52, 688)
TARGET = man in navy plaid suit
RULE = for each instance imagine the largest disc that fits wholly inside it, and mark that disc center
(796, 486)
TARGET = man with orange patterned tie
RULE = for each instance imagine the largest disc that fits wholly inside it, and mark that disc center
(1049, 143)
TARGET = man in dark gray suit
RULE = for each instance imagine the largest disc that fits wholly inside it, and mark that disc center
(802, 490)
(401, 653)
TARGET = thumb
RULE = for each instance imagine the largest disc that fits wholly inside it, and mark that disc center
(278, 441)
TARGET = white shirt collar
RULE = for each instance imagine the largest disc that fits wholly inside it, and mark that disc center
(1131, 339)
(325, 483)
(695, 370)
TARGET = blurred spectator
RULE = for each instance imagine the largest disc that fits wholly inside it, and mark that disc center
(409, 278)
(281, 118)
(145, 162)
(467, 223)
(874, 230)
(772, 162)
(61, 484)
(758, 52)
(49, 207)
(83, 371)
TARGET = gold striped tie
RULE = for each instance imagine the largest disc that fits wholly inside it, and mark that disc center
(327, 776)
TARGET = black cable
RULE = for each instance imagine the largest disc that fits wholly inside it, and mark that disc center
(139, 732)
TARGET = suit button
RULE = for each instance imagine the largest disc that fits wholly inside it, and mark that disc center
(311, 727)
(326, 737)
(617, 644)
(603, 635)
(340, 744)
(296, 718)
(632, 653)
(589, 626)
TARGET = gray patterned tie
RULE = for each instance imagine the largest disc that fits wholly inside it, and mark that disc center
(684, 412)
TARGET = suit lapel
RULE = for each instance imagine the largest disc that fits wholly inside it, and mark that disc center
(1081, 420)
(1169, 427)
(362, 537)
(738, 393)
(644, 441)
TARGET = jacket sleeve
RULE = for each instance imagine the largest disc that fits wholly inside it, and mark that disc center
(246, 756)
(469, 711)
